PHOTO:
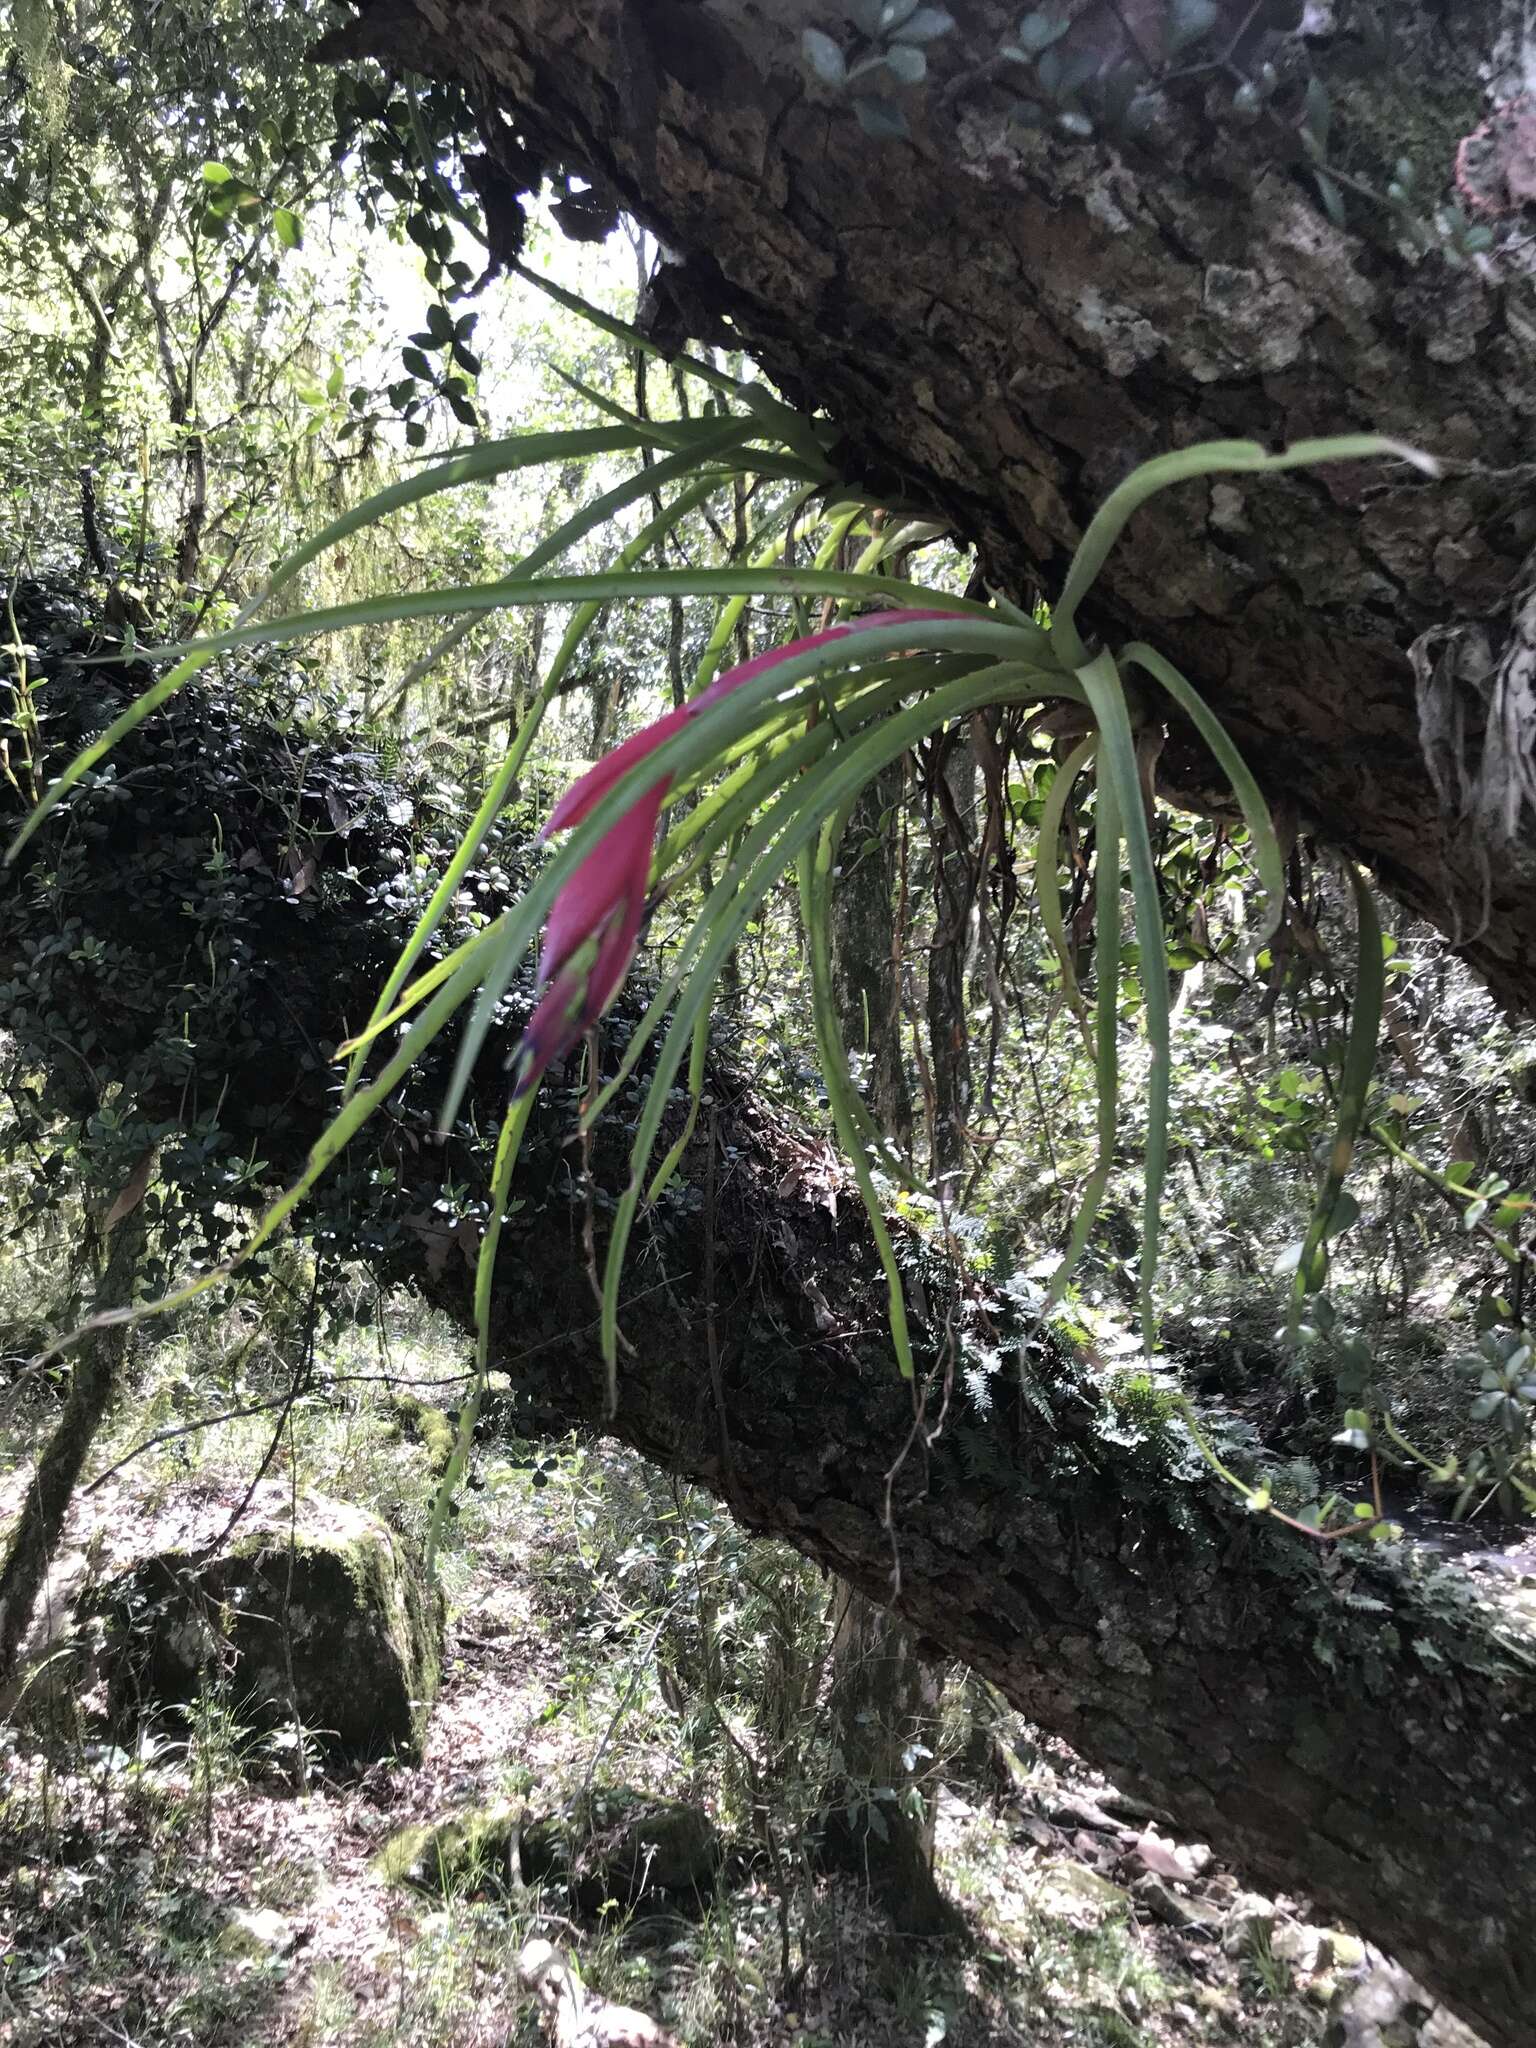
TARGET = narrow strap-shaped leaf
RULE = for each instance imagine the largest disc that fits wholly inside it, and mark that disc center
(835, 781)
(621, 415)
(1205, 458)
(719, 640)
(855, 697)
(815, 868)
(1117, 755)
(508, 1145)
(604, 587)
(632, 337)
(479, 464)
(1267, 857)
(1354, 1087)
(1047, 893)
(698, 1055)
(332, 1141)
(710, 451)
(699, 740)
(408, 999)
(780, 771)
(501, 785)
(1106, 915)
(730, 811)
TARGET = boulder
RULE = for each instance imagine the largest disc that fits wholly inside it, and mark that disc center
(1069, 1891)
(331, 1620)
(471, 1852)
(626, 1846)
(255, 1934)
(636, 1846)
(434, 1429)
(1388, 2009)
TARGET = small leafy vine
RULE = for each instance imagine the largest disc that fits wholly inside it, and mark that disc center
(1078, 92)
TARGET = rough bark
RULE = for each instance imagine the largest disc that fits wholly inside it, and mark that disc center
(951, 806)
(885, 1699)
(92, 1385)
(1353, 1728)
(1004, 320)
(885, 1703)
(864, 969)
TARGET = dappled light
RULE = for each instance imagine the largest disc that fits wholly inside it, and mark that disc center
(767, 1094)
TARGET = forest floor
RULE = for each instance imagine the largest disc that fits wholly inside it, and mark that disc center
(210, 1888)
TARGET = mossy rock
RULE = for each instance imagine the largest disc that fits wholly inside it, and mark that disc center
(468, 1853)
(630, 1847)
(433, 1428)
(333, 1619)
(436, 1430)
(635, 1846)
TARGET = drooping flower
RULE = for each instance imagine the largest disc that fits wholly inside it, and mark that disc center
(595, 922)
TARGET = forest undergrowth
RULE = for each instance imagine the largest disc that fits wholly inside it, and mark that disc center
(610, 1635)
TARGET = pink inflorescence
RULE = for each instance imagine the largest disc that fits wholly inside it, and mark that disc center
(594, 924)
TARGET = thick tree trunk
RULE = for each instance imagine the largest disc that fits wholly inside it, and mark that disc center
(886, 1697)
(885, 1702)
(864, 967)
(949, 958)
(1004, 318)
(1355, 1728)
(34, 1537)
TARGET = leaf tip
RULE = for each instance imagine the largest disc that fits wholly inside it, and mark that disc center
(1421, 459)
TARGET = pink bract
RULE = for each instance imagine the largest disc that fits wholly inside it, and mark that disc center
(604, 900)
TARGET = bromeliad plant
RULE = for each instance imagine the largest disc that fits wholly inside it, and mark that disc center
(771, 756)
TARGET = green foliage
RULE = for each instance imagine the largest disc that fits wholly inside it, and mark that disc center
(789, 805)
(889, 49)
(148, 946)
(155, 165)
(1498, 1467)
(1082, 1145)
(1372, 153)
